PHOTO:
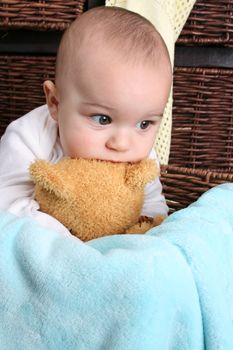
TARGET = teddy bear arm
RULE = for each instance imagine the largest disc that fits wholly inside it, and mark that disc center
(144, 224)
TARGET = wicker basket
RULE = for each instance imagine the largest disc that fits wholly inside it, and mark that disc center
(210, 22)
(202, 135)
(21, 79)
(182, 186)
(40, 14)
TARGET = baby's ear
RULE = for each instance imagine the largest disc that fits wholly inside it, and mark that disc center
(139, 174)
(48, 177)
(52, 100)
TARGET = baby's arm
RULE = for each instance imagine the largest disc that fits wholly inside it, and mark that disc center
(154, 201)
(19, 147)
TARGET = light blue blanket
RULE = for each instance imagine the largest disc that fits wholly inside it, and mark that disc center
(171, 289)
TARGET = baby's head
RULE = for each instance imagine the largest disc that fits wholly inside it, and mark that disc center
(113, 78)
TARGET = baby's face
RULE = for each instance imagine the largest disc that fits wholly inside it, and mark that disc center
(112, 111)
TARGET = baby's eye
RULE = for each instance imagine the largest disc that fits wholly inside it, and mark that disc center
(144, 124)
(101, 119)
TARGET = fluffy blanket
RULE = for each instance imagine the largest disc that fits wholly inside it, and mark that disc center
(169, 289)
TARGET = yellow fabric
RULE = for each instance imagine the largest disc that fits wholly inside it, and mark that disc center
(169, 17)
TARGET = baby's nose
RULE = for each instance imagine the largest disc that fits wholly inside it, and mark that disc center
(118, 142)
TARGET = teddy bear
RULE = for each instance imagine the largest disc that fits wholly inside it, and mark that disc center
(94, 198)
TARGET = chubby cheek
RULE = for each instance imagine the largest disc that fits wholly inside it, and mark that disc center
(79, 144)
(145, 147)
(144, 151)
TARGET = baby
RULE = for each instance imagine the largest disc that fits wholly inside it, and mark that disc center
(113, 78)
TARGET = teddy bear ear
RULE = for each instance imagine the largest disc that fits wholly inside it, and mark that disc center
(46, 176)
(139, 174)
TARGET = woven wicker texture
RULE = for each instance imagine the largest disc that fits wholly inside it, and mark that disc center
(21, 79)
(202, 135)
(40, 14)
(210, 22)
(182, 186)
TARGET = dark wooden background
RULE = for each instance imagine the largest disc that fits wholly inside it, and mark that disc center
(46, 43)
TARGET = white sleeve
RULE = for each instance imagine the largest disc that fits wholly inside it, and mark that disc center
(19, 147)
(154, 201)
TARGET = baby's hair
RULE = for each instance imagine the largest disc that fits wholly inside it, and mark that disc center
(129, 35)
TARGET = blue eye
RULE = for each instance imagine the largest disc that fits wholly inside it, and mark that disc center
(102, 119)
(144, 124)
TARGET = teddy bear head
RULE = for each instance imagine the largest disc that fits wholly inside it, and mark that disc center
(92, 198)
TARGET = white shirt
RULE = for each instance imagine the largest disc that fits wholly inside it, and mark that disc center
(34, 136)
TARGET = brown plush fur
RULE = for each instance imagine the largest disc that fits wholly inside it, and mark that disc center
(94, 198)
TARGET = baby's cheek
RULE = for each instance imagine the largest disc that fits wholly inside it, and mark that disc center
(83, 145)
(70, 144)
(145, 149)
(93, 147)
